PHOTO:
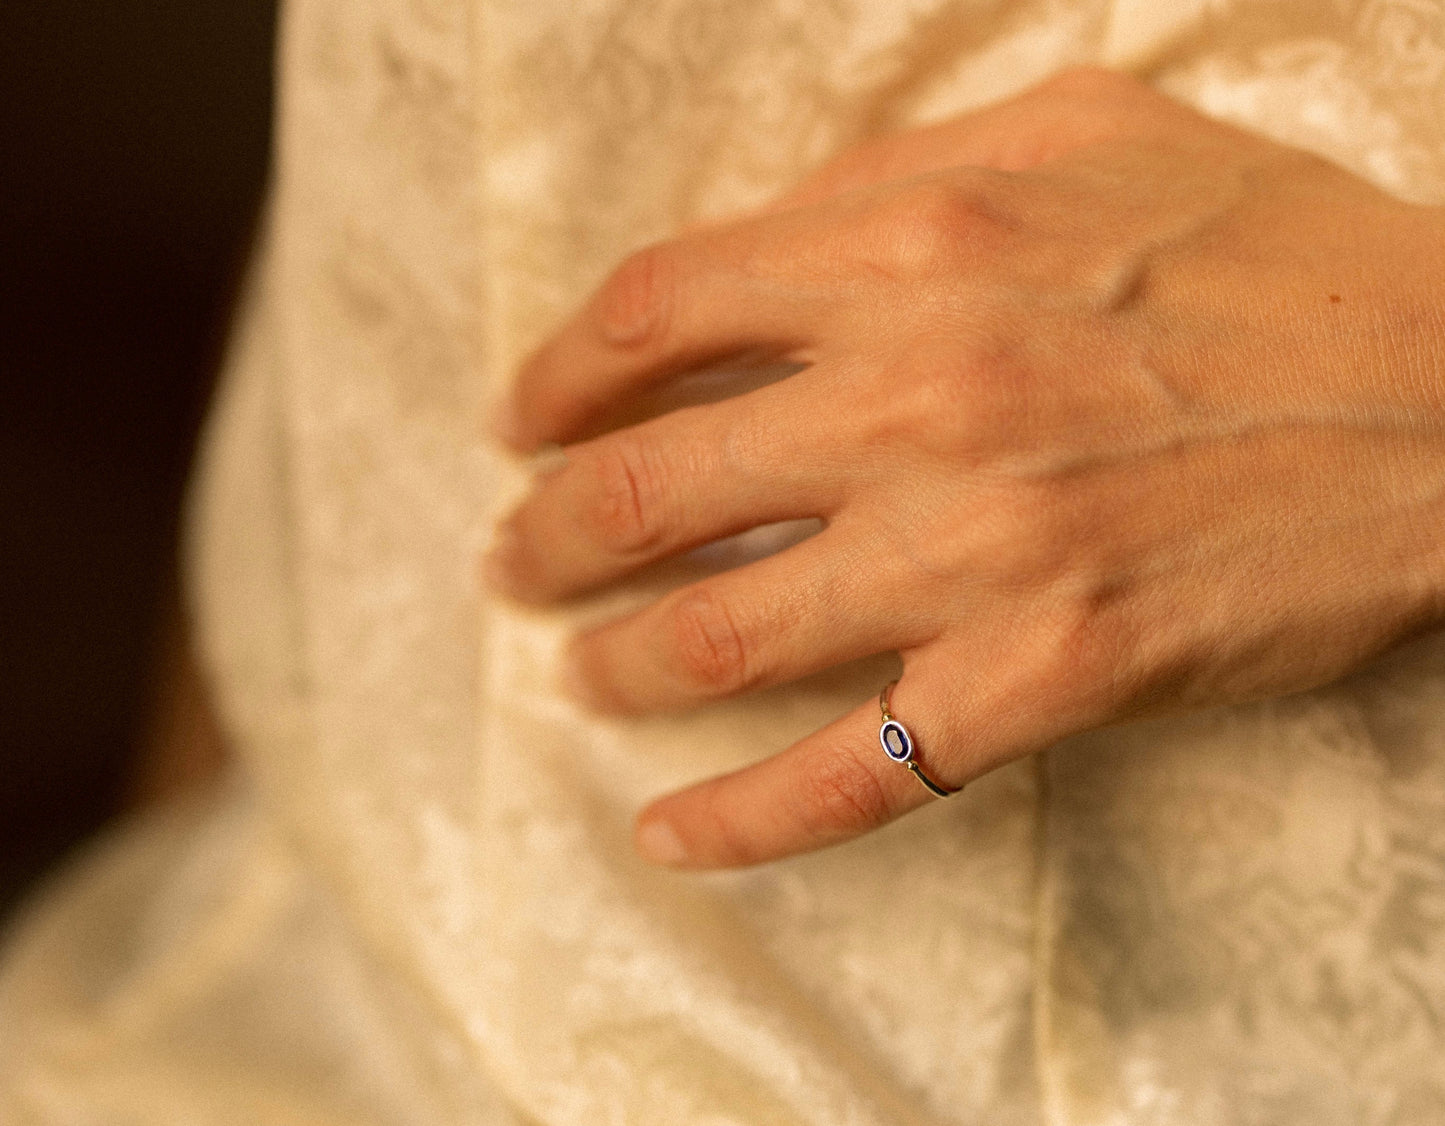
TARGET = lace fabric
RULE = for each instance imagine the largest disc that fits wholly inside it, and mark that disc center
(416, 900)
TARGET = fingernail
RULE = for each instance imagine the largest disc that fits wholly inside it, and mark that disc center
(658, 843)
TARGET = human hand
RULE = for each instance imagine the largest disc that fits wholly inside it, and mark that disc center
(1109, 410)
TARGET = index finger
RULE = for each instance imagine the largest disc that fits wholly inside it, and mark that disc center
(670, 307)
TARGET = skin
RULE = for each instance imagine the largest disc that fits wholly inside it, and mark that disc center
(1109, 410)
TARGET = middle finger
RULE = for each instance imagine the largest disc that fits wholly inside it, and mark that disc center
(663, 486)
(829, 599)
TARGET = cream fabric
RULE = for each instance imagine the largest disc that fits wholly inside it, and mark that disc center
(415, 901)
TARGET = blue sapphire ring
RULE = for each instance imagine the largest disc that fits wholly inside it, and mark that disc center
(899, 746)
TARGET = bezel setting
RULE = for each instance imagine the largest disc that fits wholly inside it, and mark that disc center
(904, 751)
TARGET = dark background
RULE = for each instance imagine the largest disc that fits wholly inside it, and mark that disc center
(133, 152)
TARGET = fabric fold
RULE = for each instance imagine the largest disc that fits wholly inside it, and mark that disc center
(416, 900)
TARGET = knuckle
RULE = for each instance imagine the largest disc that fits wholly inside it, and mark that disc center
(977, 401)
(627, 513)
(1003, 387)
(1090, 651)
(938, 396)
(838, 795)
(969, 400)
(635, 302)
(709, 646)
(934, 224)
(1023, 535)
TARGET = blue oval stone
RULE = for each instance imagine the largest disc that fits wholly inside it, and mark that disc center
(896, 741)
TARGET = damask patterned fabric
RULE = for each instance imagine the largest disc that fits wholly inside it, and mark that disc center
(415, 901)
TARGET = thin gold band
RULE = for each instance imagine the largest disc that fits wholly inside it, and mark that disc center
(902, 748)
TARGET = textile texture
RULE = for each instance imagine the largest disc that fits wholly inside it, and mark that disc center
(415, 900)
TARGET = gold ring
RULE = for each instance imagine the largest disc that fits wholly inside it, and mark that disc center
(899, 746)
